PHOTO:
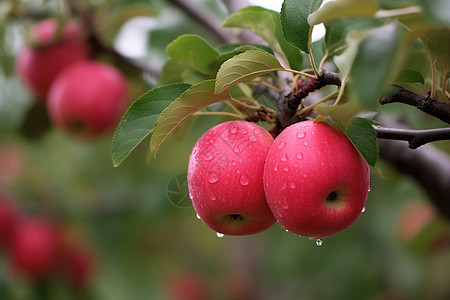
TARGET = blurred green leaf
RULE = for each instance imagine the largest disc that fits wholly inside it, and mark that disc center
(266, 23)
(294, 21)
(343, 9)
(195, 52)
(140, 118)
(191, 101)
(364, 137)
(436, 10)
(244, 67)
(341, 114)
(375, 63)
(410, 76)
(438, 45)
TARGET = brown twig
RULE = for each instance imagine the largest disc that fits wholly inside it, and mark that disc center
(416, 138)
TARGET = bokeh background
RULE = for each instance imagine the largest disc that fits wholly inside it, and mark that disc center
(146, 246)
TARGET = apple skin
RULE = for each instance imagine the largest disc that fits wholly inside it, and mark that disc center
(9, 216)
(225, 178)
(39, 65)
(78, 266)
(88, 99)
(315, 180)
(35, 248)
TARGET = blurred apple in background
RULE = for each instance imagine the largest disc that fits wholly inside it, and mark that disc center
(51, 51)
(9, 216)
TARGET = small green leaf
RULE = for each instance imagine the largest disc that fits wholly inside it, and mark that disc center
(436, 10)
(140, 118)
(437, 42)
(363, 136)
(410, 76)
(244, 67)
(238, 50)
(195, 52)
(343, 9)
(191, 101)
(375, 63)
(294, 21)
(342, 114)
(266, 23)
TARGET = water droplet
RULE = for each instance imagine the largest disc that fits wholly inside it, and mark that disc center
(311, 238)
(198, 217)
(256, 130)
(281, 145)
(363, 209)
(287, 230)
(305, 175)
(233, 162)
(243, 131)
(211, 141)
(236, 149)
(299, 155)
(368, 189)
(220, 235)
(319, 242)
(301, 135)
(252, 138)
(292, 185)
(227, 138)
(208, 156)
(213, 197)
(244, 180)
(275, 168)
(233, 129)
(286, 168)
(212, 177)
(285, 206)
(284, 157)
(305, 143)
(284, 186)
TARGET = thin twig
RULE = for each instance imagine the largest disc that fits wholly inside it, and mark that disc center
(416, 138)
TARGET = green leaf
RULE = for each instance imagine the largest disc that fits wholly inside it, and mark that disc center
(140, 118)
(191, 101)
(195, 52)
(345, 60)
(244, 67)
(266, 23)
(343, 9)
(294, 21)
(238, 50)
(436, 10)
(438, 45)
(410, 76)
(342, 114)
(363, 136)
(375, 63)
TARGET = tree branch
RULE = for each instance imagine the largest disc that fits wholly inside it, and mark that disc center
(429, 166)
(440, 110)
(204, 18)
(416, 138)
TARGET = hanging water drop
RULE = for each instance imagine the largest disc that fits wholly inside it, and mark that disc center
(363, 209)
(233, 129)
(305, 143)
(220, 235)
(319, 242)
(198, 217)
(236, 149)
(275, 168)
(299, 155)
(284, 186)
(213, 197)
(292, 185)
(286, 168)
(244, 180)
(284, 157)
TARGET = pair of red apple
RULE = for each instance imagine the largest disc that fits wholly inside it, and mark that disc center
(39, 248)
(311, 179)
(84, 97)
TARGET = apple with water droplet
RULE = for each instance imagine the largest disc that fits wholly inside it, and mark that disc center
(315, 180)
(88, 99)
(225, 178)
(53, 50)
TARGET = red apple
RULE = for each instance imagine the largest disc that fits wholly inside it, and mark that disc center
(78, 266)
(88, 99)
(225, 178)
(315, 180)
(38, 65)
(8, 219)
(187, 286)
(35, 248)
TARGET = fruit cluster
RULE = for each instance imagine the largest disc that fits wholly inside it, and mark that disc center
(84, 97)
(311, 179)
(38, 248)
